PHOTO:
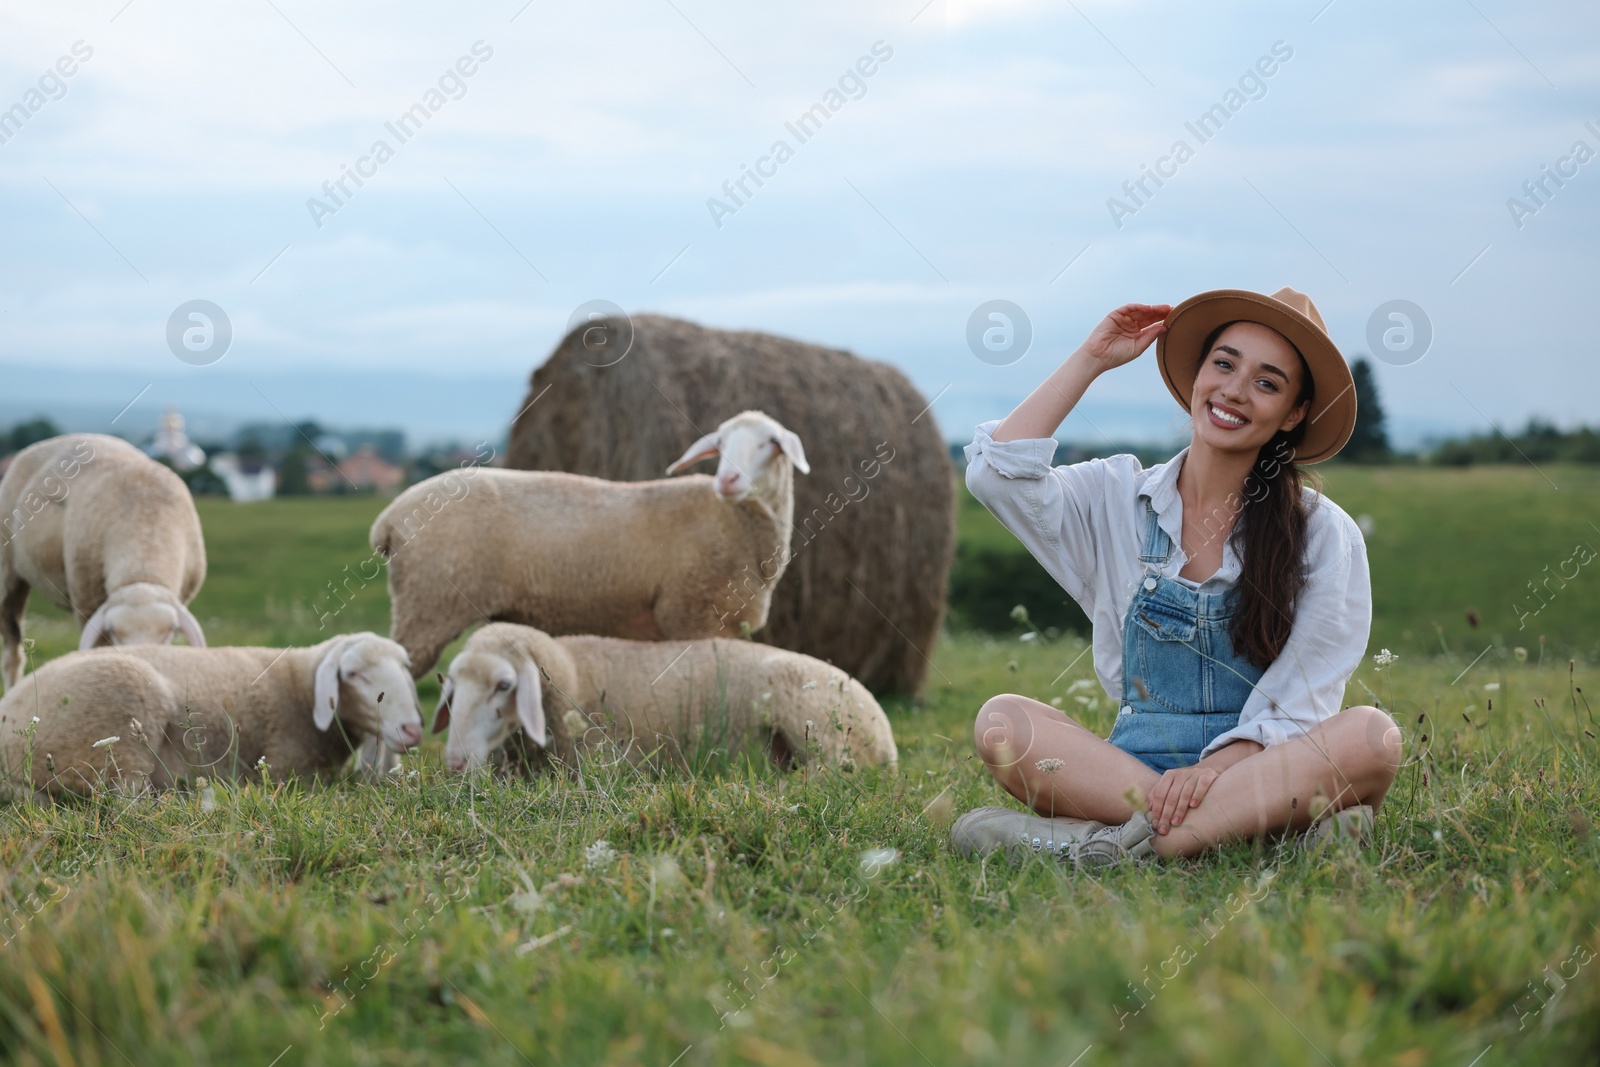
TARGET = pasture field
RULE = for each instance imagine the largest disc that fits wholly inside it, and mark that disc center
(744, 916)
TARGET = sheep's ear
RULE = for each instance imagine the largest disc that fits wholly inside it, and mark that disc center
(325, 689)
(789, 443)
(94, 629)
(441, 718)
(189, 626)
(530, 703)
(704, 448)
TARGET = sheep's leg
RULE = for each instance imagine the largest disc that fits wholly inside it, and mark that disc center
(12, 607)
(375, 760)
(641, 627)
(802, 733)
(680, 616)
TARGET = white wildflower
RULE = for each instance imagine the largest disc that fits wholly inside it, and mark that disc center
(874, 860)
(599, 856)
(104, 741)
(1365, 524)
(1081, 683)
(1519, 652)
(1049, 766)
(261, 763)
(667, 873)
(1491, 687)
(1384, 658)
(35, 720)
(1029, 636)
(528, 901)
(1055, 702)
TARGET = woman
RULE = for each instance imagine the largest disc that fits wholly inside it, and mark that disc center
(1230, 604)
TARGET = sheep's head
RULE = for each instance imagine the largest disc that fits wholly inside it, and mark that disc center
(141, 614)
(751, 446)
(365, 680)
(486, 697)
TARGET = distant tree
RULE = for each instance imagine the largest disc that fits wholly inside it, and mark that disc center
(251, 451)
(203, 481)
(28, 433)
(1369, 442)
(292, 473)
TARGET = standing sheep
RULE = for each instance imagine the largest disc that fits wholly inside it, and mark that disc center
(175, 713)
(581, 555)
(640, 700)
(874, 523)
(105, 532)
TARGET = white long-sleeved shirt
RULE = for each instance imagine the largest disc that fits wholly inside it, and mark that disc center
(1085, 524)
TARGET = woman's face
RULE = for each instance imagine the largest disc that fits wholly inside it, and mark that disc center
(1246, 389)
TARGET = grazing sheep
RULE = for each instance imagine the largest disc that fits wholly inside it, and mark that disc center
(581, 555)
(874, 523)
(636, 700)
(105, 532)
(178, 712)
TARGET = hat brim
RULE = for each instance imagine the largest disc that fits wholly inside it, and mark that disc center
(1332, 417)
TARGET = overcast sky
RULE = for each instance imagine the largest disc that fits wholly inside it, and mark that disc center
(976, 162)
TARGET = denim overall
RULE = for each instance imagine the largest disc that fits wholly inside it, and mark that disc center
(1182, 683)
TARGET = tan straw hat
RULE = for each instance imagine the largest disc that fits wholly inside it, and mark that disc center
(1332, 417)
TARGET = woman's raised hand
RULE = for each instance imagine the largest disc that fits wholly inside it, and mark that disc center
(1126, 332)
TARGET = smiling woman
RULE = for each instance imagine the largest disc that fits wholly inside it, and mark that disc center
(1230, 603)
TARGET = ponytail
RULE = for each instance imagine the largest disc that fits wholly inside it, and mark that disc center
(1269, 537)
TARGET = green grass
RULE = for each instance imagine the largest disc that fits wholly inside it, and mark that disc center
(434, 919)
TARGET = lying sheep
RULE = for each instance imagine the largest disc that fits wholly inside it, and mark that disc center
(641, 700)
(105, 532)
(173, 713)
(574, 554)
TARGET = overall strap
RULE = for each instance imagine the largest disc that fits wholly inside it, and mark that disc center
(1157, 545)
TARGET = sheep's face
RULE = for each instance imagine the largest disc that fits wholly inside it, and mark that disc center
(375, 693)
(478, 706)
(140, 614)
(749, 446)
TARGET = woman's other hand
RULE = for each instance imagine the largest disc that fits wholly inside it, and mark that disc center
(1122, 335)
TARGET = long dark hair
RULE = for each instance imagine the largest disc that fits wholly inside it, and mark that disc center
(1269, 536)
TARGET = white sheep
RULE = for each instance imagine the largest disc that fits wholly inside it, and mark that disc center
(105, 532)
(652, 700)
(678, 557)
(176, 713)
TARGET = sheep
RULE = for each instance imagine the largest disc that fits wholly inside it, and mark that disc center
(637, 700)
(574, 554)
(874, 526)
(107, 533)
(172, 713)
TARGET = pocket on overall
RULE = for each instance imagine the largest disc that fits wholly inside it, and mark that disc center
(1168, 659)
(1176, 735)
(1170, 739)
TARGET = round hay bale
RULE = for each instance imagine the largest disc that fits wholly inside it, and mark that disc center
(874, 521)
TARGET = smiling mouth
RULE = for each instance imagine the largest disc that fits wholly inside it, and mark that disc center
(1225, 418)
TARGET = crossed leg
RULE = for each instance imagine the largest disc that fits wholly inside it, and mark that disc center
(1060, 768)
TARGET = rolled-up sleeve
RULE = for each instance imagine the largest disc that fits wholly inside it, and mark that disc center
(1051, 510)
(1332, 621)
